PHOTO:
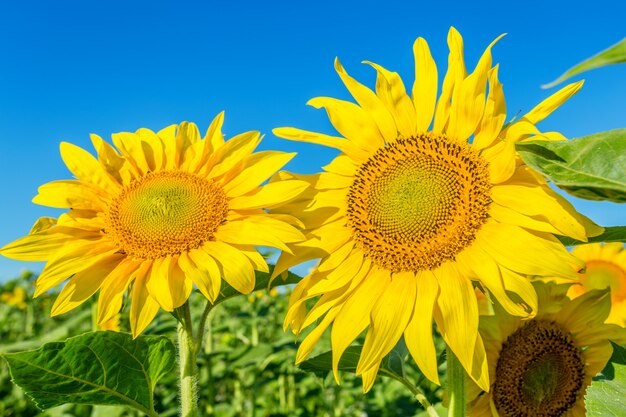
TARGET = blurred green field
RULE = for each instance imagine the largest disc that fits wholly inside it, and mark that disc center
(247, 356)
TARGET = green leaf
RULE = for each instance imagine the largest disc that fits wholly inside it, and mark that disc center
(590, 167)
(605, 397)
(104, 368)
(392, 365)
(322, 364)
(613, 55)
(611, 234)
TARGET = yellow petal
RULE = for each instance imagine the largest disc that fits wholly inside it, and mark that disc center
(167, 283)
(231, 154)
(44, 245)
(486, 270)
(153, 149)
(391, 91)
(235, 267)
(305, 348)
(352, 122)
(525, 252)
(73, 258)
(507, 215)
(108, 157)
(200, 274)
(345, 146)
(170, 150)
(84, 284)
(520, 284)
(85, 167)
(260, 166)
(547, 106)
(419, 331)
(211, 271)
(368, 100)
(342, 165)
(113, 288)
(369, 377)
(214, 138)
(495, 113)
(143, 307)
(130, 146)
(250, 231)
(535, 201)
(354, 316)
(459, 313)
(425, 85)
(451, 81)
(71, 194)
(389, 318)
(468, 102)
(269, 195)
(501, 160)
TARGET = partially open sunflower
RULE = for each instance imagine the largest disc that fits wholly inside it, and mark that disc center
(426, 196)
(542, 367)
(169, 210)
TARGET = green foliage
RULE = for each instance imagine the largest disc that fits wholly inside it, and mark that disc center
(581, 166)
(246, 367)
(613, 55)
(105, 368)
(605, 397)
(611, 234)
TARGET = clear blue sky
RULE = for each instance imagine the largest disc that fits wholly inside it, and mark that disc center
(73, 68)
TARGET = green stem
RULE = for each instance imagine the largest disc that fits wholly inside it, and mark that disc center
(417, 393)
(456, 385)
(187, 364)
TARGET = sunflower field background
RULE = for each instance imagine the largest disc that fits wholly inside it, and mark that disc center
(249, 358)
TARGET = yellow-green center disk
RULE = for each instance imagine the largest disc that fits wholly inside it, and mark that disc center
(166, 213)
(418, 201)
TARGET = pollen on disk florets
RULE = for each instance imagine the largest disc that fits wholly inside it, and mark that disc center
(418, 201)
(165, 213)
(540, 372)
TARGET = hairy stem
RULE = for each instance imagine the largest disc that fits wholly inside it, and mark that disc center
(456, 385)
(187, 364)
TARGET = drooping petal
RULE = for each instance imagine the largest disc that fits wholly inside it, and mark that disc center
(83, 285)
(418, 334)
(143, 308)
(235, 267)
(113, 288)
(354, 316)
(389, 318)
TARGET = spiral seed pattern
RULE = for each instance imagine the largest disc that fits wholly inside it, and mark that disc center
(418, 202)
(540, 372)
(165, 213)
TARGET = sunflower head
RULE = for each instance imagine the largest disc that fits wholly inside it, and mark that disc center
(543, 366)
(606, 268)
(426, 196)
(159, 213)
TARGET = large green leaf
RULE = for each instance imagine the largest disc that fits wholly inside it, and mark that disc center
(591, 167)
(605, 397)
(611, 234)
(613, 55)
(105, 368)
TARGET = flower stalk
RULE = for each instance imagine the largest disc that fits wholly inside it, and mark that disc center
(456, 385)
(188, 367)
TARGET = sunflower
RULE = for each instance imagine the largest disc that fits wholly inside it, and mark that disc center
(169, 210)
(426, 196)
(543, 366)
(606, 267)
